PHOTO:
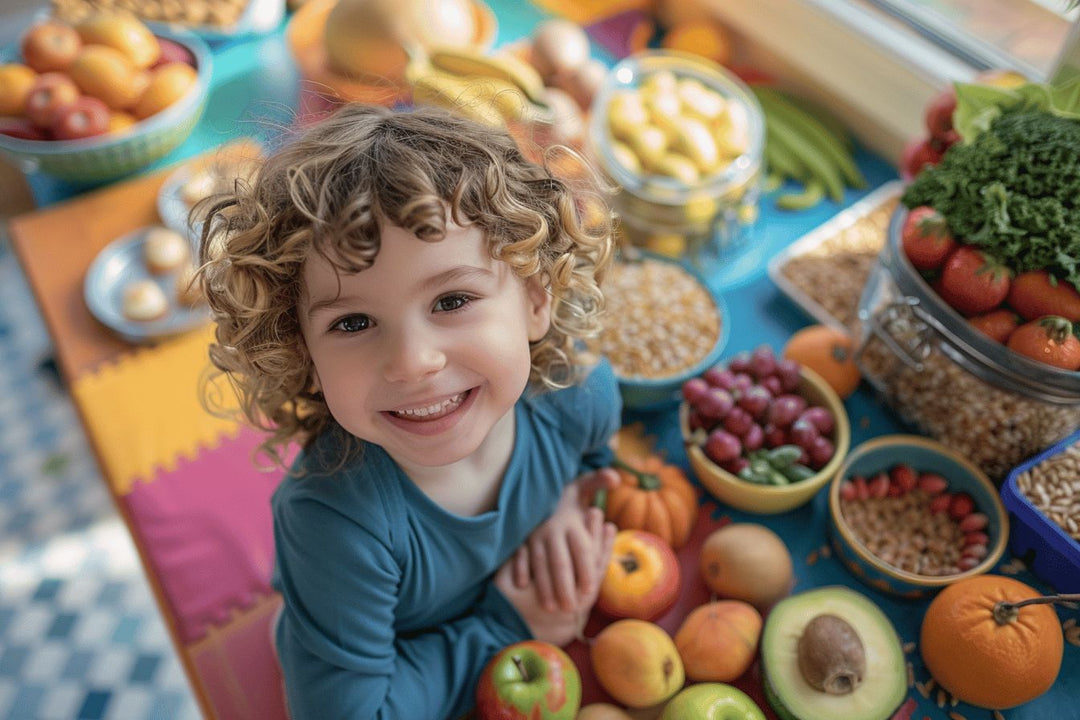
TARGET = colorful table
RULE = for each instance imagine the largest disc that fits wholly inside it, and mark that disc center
(184, 480)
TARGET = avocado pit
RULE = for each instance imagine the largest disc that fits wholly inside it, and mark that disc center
(831, 655)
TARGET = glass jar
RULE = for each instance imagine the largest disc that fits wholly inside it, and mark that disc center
(706, 220)
(949, 380)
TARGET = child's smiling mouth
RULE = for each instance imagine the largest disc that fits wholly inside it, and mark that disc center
(433, 411)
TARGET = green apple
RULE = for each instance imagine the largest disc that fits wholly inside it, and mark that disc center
(711, 701)
(529, 680)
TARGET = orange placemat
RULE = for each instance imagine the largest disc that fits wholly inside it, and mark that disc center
(586, 12)
(143, 412)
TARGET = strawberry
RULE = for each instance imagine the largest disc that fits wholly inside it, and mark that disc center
(972, 282)
(904, 477)
(1036, 293)
(925, 238)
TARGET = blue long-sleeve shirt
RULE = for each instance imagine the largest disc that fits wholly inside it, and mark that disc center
(390, 610)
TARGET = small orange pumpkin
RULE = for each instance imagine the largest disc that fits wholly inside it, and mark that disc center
(655, 497)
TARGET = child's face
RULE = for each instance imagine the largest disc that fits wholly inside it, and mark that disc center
(426, 350)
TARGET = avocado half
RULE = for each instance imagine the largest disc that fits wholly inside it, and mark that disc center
(884, 684)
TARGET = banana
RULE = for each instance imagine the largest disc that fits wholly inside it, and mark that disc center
(434, 87)
(472, 63)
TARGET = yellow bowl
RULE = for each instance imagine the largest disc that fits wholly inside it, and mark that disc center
(925, 455)
(770, 499)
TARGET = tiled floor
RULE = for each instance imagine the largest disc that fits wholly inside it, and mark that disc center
(80, 635)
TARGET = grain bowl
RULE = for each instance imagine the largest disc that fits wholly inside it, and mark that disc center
(909, 516)
(663, 325)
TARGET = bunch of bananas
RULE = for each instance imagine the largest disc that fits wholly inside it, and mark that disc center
(808, 148)
(494, 89)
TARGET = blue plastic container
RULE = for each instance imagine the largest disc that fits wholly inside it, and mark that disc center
(1042, 544)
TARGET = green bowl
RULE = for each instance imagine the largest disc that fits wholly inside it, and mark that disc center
(925, 455)
(103, 158)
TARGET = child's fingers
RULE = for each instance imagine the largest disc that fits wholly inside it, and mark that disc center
(602, 479)
(562, 565)
(521, 570)
(541, 574)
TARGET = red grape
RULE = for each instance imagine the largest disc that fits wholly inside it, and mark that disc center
(754, 438)
(774, 435)
(773, 385)
(720, 376)
(721, 446)
(738, 421)
(762, 362)
(803, 433)
(820, 451)
(715, 404)
(786, 410)
(754, 400)
(694, 389)
(740, 363)
(787, 370)
(821, 418)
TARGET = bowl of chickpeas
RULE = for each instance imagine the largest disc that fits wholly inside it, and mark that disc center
(683, 139)
(662, 326)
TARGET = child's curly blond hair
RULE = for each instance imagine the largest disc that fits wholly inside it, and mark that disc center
(331, 190)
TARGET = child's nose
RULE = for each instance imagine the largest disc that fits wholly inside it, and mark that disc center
(414, 354)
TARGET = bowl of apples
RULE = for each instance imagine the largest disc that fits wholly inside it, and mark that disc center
(94, 101)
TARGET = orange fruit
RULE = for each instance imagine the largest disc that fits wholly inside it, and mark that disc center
(828, 351)
(989, 659)
(107, 74)
(700, 37)
(168, 83)
(16, 80)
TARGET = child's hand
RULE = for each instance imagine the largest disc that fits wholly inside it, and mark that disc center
(557, 558)
(555, 625)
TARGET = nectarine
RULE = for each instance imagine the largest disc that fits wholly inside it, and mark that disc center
(642, 578)
(718, 640)
(50, 45)
(637, 663)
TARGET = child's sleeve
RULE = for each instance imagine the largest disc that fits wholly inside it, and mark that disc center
(340, 653)
(600, 397)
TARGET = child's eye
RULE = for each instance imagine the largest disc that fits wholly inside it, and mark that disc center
(450, 303)
(352, 324)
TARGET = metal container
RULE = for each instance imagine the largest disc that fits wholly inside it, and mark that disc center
(949, 380)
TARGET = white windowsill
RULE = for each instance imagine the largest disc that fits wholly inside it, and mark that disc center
(875, 75)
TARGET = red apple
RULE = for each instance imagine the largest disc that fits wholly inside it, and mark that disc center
(50, 92)
(85, 117)
(642, 577)
(21, 128)
(527, 680)
(50, 45)
(172, 51)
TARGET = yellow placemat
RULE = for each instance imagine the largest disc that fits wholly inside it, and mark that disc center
(143, 412)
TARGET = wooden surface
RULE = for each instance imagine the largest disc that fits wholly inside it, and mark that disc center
(56, 246)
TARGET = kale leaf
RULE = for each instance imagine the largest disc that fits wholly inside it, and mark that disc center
(1014, 191)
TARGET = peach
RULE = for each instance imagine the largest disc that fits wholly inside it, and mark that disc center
(637, 663)
(16, 80)
(50, 45)
(119, 121)
(718, 640)
(642, 577)
(107, 74)
(122, 32)
(168, 83)
(86, 117)
(602, 711)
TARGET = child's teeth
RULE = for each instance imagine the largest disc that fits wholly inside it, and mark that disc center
(431, 409)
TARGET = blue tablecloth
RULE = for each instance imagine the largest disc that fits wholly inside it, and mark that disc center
(255, 92)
